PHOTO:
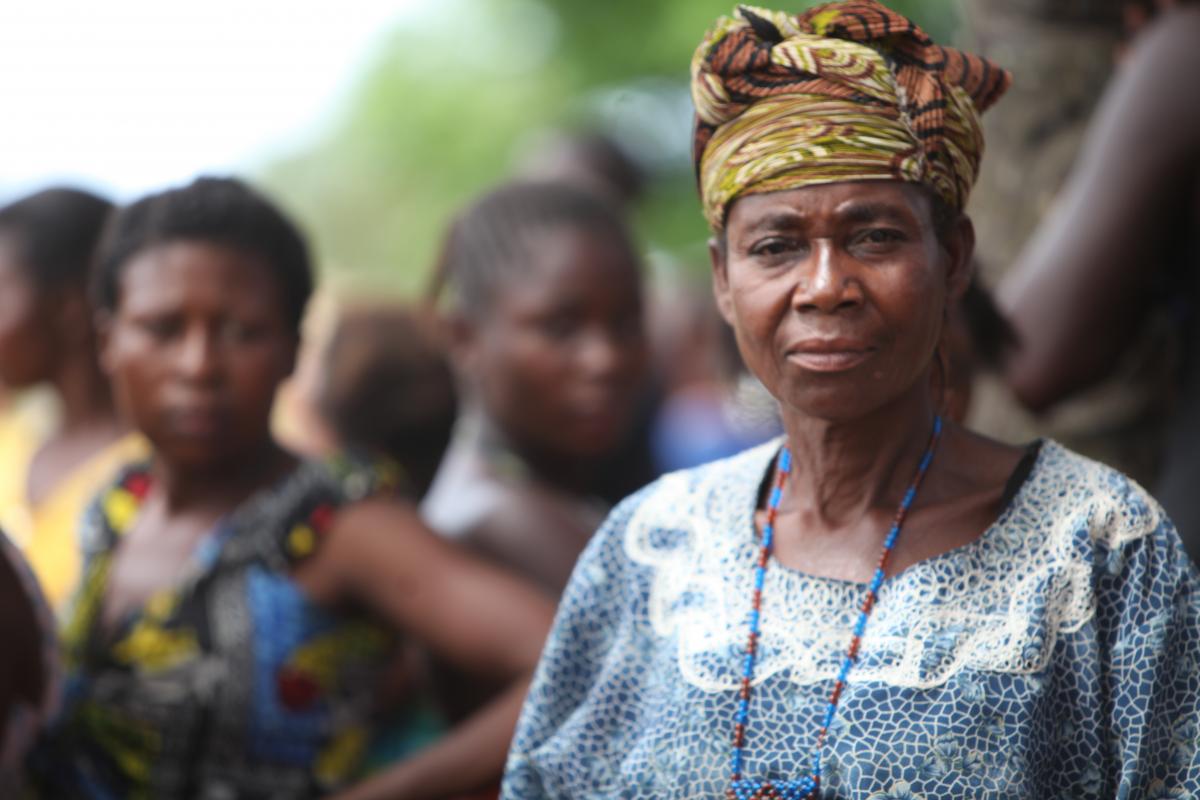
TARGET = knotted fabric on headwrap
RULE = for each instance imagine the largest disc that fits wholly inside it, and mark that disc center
(844, 91)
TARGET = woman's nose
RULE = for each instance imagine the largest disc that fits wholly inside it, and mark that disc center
(826, 282)
(603, 353)
(198, 358)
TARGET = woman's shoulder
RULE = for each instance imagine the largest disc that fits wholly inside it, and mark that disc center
(467, 492)
(653, 540)
(1087, 524)
(279, 524)
(697, 508)
(1105, 504)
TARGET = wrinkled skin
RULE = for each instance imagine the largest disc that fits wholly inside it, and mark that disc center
(837, 294)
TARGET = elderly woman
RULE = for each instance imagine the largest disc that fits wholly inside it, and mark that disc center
(882, 604)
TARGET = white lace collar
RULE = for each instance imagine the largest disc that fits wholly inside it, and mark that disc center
(998, 603)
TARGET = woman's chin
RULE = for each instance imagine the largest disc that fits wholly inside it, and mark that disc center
(831, 404)
(587, 447)
(198, 455)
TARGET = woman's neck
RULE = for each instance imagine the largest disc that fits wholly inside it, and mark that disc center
(569, 474)
(220, 486)
(88, 423)
(843, 470)
(84, 394)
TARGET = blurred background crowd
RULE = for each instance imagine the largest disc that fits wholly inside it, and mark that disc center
(511, 329)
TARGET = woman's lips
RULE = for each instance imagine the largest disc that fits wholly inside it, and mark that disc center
(597, 419)
(196, 422)
(834, 355)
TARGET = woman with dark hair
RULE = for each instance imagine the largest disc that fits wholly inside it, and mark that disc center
(882, 604)
(545, 315)
(50, 471)
(238, 605)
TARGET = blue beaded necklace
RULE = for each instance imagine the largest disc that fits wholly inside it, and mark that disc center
(809, 786)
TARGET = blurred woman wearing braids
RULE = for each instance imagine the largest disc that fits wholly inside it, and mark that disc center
(545, 322)
(545, 317)
(882, 604)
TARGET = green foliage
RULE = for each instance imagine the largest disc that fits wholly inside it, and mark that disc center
(441, 112)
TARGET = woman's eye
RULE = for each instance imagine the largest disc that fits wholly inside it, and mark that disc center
(558, 326)
(879, 236)
(160, 327)
(774, 246)
(627, 327)
(234, 331)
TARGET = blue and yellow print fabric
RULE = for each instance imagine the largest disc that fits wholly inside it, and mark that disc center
(232, 683)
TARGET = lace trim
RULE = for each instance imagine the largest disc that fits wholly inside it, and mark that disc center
(996, 604)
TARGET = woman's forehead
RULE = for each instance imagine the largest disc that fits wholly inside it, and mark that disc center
(177, 269)
(572, 257)
(854, 201)
(591, 277)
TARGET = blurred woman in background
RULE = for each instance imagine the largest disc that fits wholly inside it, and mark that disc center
(546, 332)
(237, 604)
(50, 471)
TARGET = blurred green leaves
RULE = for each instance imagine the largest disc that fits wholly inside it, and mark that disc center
(458, 91)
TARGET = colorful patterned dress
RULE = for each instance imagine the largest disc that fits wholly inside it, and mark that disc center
(1056, 656)
(231, 684)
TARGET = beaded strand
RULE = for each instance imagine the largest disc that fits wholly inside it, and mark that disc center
(809, 785)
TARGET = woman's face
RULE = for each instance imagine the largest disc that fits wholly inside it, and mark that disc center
(558, 358)
(196, 347)
(836, 293)
(28, 339)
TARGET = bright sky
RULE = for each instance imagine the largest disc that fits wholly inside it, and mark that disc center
(125, 96)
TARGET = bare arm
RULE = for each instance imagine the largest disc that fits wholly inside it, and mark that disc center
(474, 615)
(1080, 288)
(535, 535)
(467, 759)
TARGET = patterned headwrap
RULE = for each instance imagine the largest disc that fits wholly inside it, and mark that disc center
(844, 91)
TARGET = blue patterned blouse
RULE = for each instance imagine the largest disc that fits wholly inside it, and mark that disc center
(1057, 656)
